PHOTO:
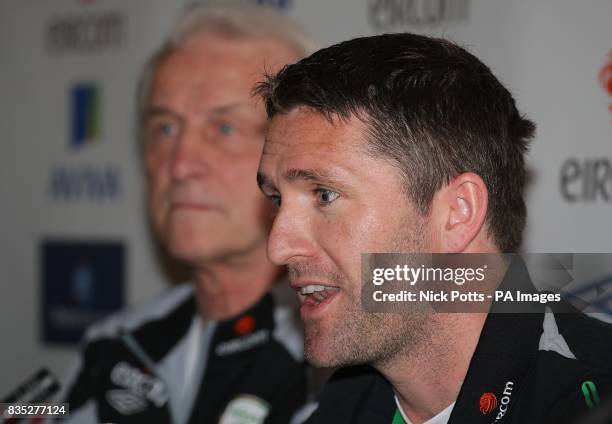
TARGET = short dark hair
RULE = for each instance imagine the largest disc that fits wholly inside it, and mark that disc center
(431, 107)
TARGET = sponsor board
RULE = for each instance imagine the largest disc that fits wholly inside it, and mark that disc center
(87, 182)
(84, 183)
(85, 111)
(89, 32)
(586, 180)
(589, 179)
(82, 281)
(385, 15)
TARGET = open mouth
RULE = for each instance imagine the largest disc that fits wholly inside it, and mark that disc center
(314, 294)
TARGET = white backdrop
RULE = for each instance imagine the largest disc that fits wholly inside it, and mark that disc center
(548, 52)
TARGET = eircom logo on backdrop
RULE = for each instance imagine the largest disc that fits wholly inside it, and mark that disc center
(82, 282)
(589, 180)
(385, 15)
(91, 32)
(83, 182)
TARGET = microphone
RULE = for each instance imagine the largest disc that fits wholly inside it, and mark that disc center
(38, 388)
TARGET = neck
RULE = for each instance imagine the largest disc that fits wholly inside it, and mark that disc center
(438, 368)
(227, 286)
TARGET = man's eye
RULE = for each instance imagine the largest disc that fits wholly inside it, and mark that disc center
(165, 129)
(226, 129)
(325, 197)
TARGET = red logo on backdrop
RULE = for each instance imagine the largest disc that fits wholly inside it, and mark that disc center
(605, 78)
(488, 403)
(244, 325)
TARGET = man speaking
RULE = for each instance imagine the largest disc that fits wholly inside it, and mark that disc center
(404, 143)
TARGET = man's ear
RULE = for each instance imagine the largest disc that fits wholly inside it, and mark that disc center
(458, 213)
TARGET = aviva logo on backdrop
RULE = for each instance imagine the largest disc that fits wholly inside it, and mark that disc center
(85, 114)
(75, 181)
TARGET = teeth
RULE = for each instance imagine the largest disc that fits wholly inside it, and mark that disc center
(311, 288)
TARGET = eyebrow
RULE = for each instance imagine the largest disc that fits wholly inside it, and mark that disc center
(229, 108)
(313, 175)
(161, 110)
(316, 175)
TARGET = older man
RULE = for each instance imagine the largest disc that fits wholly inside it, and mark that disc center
(404, 143)
(225, 348)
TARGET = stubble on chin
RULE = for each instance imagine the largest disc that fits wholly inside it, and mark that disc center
(378, 339)
(360, 337)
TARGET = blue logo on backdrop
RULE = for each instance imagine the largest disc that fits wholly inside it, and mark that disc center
(84, 182)
(86, 109)
(82, 281)
(279, 4)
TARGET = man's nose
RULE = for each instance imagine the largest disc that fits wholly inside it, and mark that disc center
(290, 237)
(191, 155)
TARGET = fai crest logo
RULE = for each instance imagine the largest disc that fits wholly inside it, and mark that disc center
(605, 78)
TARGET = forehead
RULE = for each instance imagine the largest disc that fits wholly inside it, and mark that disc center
(304, 139)
(304, 130)
(209, 67)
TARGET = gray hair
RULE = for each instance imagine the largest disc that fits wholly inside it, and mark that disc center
(229, 19)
